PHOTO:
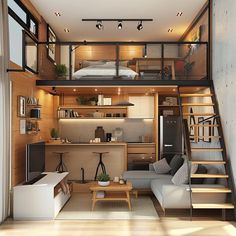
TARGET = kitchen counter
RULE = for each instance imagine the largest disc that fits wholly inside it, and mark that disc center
(87, 144)
(82, 155)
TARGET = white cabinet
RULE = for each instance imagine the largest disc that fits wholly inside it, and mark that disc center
(143, 107)
(41, 200)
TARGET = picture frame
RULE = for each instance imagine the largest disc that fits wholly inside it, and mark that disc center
(21, 106)
(51, 48)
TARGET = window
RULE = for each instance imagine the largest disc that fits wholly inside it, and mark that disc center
(20, 19)
(22, 15)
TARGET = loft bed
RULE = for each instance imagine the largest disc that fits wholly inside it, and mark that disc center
(104, 70)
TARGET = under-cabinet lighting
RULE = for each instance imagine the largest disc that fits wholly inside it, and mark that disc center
(92, 120)
(74, 90)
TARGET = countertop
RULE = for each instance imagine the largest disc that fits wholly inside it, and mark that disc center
(94, 144)
(87, 144)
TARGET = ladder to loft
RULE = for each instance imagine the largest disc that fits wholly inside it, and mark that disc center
(200, 112)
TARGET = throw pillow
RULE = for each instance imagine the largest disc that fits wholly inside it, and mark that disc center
(181, 176)
(176, 162)
(161, 166)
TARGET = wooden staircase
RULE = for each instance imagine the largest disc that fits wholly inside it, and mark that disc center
(190, 109)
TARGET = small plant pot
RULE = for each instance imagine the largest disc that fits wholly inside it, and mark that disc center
(104, 184)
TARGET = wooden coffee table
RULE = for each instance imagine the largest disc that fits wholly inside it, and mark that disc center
(113, 192)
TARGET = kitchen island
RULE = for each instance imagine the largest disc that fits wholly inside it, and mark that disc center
(80, 155)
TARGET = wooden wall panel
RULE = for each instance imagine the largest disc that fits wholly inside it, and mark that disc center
(23, 83)
(106, 52)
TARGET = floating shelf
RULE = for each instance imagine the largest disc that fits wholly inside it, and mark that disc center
(103, 118)
(92, 107)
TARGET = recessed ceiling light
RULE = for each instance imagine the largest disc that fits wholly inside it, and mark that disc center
(170, 30)
(180, 13)
(66, 30)
(57, 13)
(95, 90)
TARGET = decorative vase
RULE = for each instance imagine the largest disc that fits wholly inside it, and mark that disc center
(100, 133)
(104, 184)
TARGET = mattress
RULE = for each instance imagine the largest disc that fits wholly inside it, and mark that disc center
(108, 71)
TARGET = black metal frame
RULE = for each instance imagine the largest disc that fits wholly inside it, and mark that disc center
(47, 46)
(121, 43)
(29, 16)
(117, 19)
(25, 66)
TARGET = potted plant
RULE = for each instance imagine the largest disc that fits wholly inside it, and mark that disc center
(61, 71)
(54, 134)
(103, 179)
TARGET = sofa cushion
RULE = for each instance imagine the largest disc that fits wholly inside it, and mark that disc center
(161, 166)
(182, 175)
(141, 179)
(176, 162)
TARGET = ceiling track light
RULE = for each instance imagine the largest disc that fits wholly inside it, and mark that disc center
(170, 30)
(99, 25)
(119, 25)
(140, 26)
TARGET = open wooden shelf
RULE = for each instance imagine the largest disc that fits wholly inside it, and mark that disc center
(92, 107)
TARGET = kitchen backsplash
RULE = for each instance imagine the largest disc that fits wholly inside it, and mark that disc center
(84, 130)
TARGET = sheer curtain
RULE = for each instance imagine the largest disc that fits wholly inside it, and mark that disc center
(4, 113)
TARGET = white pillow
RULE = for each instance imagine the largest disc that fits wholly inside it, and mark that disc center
(181, 176)
(111, 63)
(92, 63)
(161, 166)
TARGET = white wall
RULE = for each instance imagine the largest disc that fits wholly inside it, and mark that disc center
(224, 70)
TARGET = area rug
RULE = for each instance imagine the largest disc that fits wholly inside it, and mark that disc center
(79, 208)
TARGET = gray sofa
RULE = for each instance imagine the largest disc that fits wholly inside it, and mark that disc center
(168, 194)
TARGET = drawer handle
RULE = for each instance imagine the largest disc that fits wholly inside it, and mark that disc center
(168, 145)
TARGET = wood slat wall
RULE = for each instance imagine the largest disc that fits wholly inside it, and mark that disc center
(106, 52)
(23, 83)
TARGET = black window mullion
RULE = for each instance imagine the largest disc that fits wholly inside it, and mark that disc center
(29, 17)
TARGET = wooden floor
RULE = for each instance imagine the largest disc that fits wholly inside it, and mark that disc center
(166, 227)
(175, 223)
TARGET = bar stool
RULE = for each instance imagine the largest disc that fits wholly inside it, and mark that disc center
(61, 167)
(100, 163)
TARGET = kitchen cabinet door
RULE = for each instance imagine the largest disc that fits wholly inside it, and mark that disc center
(143, 107)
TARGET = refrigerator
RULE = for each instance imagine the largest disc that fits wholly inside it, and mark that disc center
(170, 135)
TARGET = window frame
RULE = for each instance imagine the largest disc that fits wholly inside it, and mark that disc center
(29, 17)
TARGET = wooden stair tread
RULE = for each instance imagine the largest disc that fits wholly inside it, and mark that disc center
(198, 104)
(199, 125)
(209, 176)
(208, 162)
(199, 114)
(207, 149)
(183, 95)
(205, 136)
(211, 190)
(213, 205)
